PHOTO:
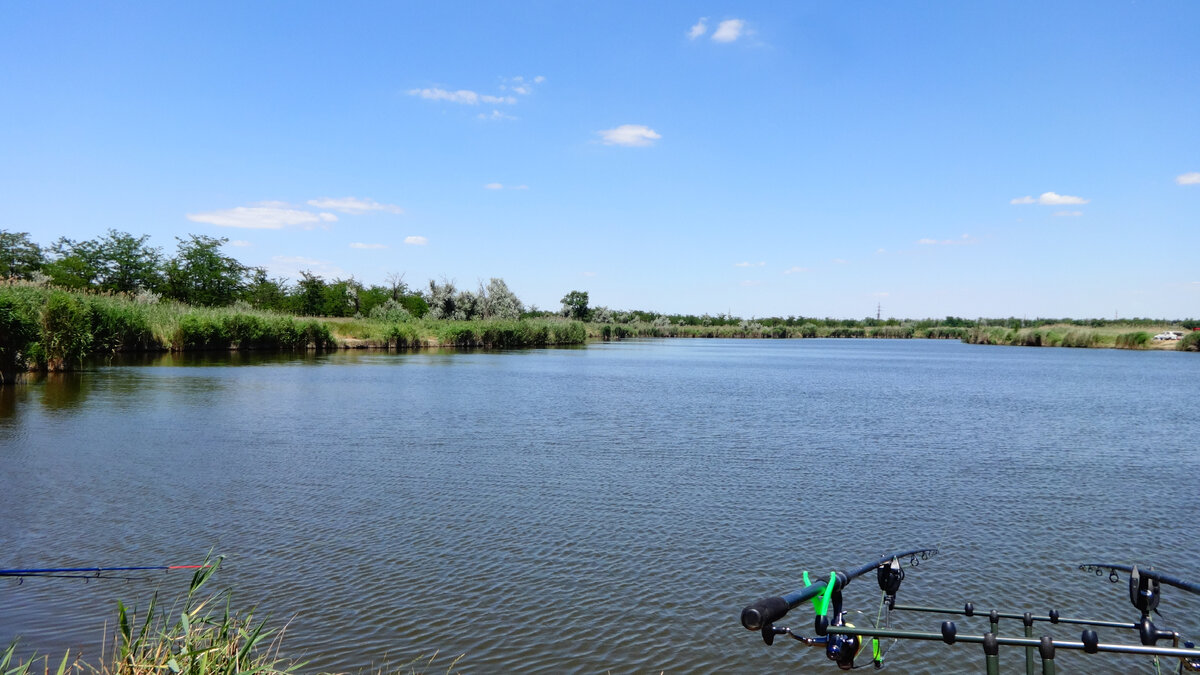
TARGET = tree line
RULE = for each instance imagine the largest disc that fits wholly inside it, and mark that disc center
(201, 273)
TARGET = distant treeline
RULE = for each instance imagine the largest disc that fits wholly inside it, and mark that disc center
(201, 274)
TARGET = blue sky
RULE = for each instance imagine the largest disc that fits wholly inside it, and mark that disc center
(792, 158)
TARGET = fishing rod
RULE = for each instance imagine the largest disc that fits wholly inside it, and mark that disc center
(88, 573)
(844, 641)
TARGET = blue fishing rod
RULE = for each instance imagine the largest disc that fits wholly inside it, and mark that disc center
(88, 573)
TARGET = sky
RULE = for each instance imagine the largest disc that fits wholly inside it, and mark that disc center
(829, 159)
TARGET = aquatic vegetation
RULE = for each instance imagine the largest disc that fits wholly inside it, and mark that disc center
(1136, 340)
(1190, 342)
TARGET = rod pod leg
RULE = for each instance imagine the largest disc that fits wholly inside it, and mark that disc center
(1046, 650)
(991, 651)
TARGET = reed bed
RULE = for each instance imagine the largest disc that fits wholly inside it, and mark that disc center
(49, 329)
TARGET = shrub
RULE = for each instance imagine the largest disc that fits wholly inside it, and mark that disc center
(1190, 342)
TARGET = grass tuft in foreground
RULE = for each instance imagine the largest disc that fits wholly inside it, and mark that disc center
(200, 635)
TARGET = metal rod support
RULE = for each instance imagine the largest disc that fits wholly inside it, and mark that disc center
(1179, 652)
(1011, 615)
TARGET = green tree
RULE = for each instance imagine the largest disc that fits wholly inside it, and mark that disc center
(310, 295)
(575, 305)
(127, 263)
(75, 264)
(373, 296)
(200, 274)
(340, 297)
(415, 304)
(264, 292)
(20, 257)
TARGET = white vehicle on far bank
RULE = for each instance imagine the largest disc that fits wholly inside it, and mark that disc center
(1169, 335)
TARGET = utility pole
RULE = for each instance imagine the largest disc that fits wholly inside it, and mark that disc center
(878, 311)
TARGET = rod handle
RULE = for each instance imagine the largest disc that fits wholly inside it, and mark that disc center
(764, 612)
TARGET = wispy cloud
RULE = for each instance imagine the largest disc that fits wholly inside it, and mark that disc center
(262, 216)
(502, 186)
(965, 239)
(521, 85)
(463, 96)
(729, 30)
(1050, 199)
(750, 282)
(510, 89)
(353, 205)
(750, 264)
(700, 28)
(841, 261)
(495, 115)
(416, 240)
(359, 244)
(240, 243)
(795, 270)
(630, 135)
(1192, 178)
(1068, 214)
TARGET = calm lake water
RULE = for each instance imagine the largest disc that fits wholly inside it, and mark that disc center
(608, 508)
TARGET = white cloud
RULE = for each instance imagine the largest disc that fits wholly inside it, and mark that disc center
(699, 29)
(264, 216)
(588, 274)
(630, 135)
(519, 187)
(1068, 213)
(493, 186)
(464, 96)
(240, 243)
(751, 283)
(520, 85)
(965, 239)
(1050, 199)
(351, 205)
(841, 261)
(416, 240)
(359, 244)
(750, 264)
(495, 115)
(795, 270)
(1054, 199)
(1192, 178)
(729, 30)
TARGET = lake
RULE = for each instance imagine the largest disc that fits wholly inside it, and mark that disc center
(606, 508)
